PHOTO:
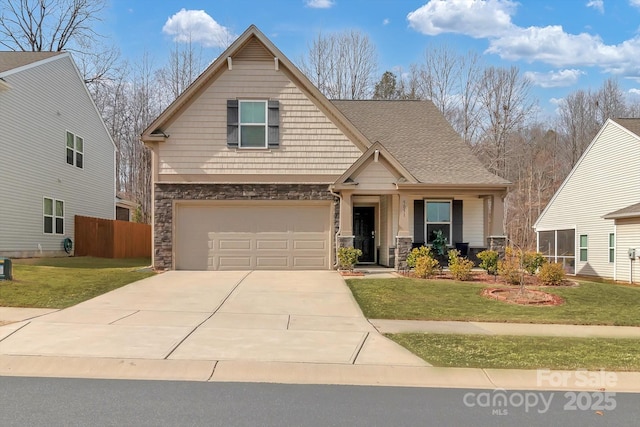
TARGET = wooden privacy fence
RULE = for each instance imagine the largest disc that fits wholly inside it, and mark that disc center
(107, 238)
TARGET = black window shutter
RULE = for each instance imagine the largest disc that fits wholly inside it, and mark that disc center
(418, 222)
(232, 123)
(456, 222)
(274, 124)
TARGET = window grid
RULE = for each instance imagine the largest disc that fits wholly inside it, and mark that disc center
(253, 124)
(584, 243)
(75, 150)
(438, 217)
(612, 247)
(53, 216)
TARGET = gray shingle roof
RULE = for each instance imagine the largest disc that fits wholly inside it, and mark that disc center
(419, 137)
(11, 60)
(631, 124)
(628, 212)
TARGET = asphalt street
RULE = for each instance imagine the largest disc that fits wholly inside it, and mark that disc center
(83, 402)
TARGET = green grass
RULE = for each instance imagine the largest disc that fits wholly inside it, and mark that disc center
(588, 304)
(62, 282)
(518, 352)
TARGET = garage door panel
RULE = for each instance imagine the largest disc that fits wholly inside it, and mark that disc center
(252, 236)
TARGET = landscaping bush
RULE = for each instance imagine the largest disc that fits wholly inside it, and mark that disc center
(348, 257)
(416, 253)
(426, 266)
(551, 274)
(532, 261)
(509, 268)
(439, 243)
(489, 262)
(459, 267)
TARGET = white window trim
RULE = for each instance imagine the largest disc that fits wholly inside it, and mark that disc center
(265, 124)
(74, 149)
(53, 217)
(450, 222)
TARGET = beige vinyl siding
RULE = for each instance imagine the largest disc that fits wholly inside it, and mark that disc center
(376, 176)
(627, 236)
(43, 103)
(606, 179)
(310, 143)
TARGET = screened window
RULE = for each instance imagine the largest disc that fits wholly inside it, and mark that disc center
(559, 246)
(53, 214)
(612, 247)
(75, 150)
(584, 243)
(438, 217)
(253, 124)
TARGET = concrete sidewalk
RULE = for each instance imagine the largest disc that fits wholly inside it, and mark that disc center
(493, 328)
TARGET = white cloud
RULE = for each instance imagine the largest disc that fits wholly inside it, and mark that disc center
(385, 21)
(559, 78)
(491, 19)
(634, 91)
(597, 5)
(477, 19)
(556, 101)
(198, 27)
(320, 4)
(634, 3)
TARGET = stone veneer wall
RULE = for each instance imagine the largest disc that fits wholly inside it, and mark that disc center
(165, 194)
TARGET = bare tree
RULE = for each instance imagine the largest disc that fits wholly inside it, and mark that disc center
(342, 65)
(506, 103)
(184, 66)
(48, 25)
(578, 122)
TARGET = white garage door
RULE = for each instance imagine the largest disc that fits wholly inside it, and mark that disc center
(252, 235)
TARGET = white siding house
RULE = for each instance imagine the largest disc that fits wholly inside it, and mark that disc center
(57, 159)
(578, 226)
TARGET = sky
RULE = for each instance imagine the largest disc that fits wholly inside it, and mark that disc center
(560, 45)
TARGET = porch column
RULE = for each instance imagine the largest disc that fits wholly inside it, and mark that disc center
(346, 220)
(403, 238)
(497, 215)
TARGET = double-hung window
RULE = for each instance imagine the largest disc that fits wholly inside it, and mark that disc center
(253, 124)
(612, 247)
(584, 247)
(53, 213)
(438, 218)
(75, 150)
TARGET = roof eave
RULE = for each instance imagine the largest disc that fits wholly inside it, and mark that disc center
(461, 186)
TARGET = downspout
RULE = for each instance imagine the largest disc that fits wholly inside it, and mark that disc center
(339, 196)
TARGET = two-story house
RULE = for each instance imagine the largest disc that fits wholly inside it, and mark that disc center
(57, 159)
(254, 168)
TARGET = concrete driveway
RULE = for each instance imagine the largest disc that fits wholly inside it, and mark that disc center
(257, 316)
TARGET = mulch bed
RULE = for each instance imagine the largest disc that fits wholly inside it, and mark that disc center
(520, 297)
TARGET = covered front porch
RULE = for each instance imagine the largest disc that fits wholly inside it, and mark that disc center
(386, 225)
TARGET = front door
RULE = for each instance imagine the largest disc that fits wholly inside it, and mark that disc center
(364, 232)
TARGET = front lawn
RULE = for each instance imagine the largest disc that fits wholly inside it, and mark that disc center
(518, 352)
(63, 282)
(590, 303)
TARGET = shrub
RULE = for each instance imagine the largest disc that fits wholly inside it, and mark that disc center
(532, 261)
(489, 262)
(509, 267)
(348, 257)
(459, 267)
(426, 266)
(416, 253)
(551, 274)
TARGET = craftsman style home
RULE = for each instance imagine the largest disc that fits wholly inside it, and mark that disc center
(253, 168)
(57, 159)
(592, 223)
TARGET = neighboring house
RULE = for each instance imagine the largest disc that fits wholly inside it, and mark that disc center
(594, 217)
(57, 158)
(253, 168)
(125, 207)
